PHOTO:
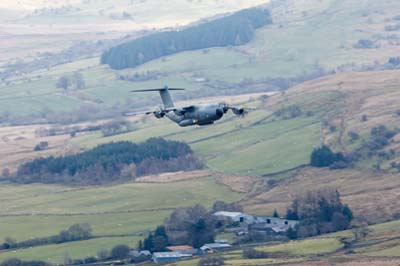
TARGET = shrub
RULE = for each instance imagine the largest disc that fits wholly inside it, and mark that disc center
(211, 261)
(365, 44)
(289, 112)
(364, 118)
(353, 136)
(251, 253)
(43, 145)
(120, 252)
(394, 27)
(323, 157)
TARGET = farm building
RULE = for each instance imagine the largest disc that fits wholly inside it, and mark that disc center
(183, 250)
(235, 216)
(161, 257)
(211, 247)
(278, 222)
(272, 225)
(140, 256)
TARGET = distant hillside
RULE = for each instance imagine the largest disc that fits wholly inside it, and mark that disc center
(308, 38)
(236, 29)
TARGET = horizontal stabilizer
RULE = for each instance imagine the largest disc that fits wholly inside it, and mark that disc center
(164, 93)
(160, 89)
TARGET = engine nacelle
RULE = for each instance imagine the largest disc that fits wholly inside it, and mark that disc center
(238, 111)
(219, 112)
(187, 122)
(159, 114)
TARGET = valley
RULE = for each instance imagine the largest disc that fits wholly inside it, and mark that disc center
(323, 73)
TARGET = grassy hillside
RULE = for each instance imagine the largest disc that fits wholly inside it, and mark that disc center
(306, 36)
(60, 24)
(263, 143)
(149, 13)
(331, 108)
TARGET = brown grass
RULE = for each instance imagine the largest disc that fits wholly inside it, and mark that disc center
(173, 177)
(17, 145)
(242, 184)
(353, 262)
(370, 194)
(367, 193)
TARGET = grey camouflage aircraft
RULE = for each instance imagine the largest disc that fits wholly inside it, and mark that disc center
(198, 114)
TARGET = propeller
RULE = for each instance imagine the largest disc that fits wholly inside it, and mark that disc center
(239, 111)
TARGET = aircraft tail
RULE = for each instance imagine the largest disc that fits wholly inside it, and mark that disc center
(164, 94)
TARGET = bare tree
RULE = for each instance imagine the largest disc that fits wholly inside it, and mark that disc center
(79, 81)
(63, 83)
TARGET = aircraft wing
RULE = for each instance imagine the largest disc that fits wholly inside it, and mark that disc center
(138, 113)
(164, 111)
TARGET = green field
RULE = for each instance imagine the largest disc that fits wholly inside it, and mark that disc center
(29, 211)
(74, 250)
(306, 247)
(119, 198)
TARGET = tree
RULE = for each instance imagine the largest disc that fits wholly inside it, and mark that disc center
(353, 136)
(193, 226)
(364, 118)
(90, 260)
(43, 145)
(75, 232)
(291, 233)
(103, 254)
(120, 251)
(140, 245)
(148, 243)
(323, 157)
(320, 211)
(276, 214)
(79, 81)
(360, 231)
(12, 262)
(63, 83)
(5, 173)
(156, 242)
(201, 232)
(9, 242)
(339, 221)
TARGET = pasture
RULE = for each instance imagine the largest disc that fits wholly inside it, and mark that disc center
(117, 213)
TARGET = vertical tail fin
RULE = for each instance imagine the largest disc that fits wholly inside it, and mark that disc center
(164, 94)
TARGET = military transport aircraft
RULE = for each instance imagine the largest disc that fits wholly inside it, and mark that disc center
(198, 114)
